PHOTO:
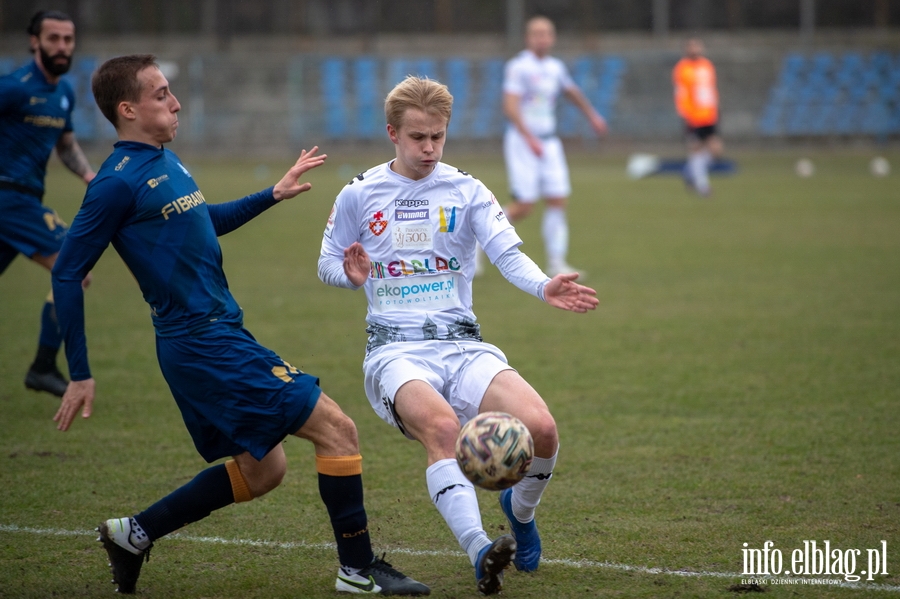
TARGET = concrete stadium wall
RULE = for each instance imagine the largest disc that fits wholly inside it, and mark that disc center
(262, 95)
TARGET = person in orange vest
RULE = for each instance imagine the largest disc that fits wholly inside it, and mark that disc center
(697, 102)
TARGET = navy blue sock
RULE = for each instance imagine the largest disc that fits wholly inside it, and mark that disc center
(208, 491)
(343, 497)
(49, 340)
(50, 333)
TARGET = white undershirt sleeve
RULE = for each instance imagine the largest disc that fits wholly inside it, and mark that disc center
(331, 272)
(521, 271)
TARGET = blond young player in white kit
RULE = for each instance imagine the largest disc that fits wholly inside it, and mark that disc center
(406, 231)
(535, 161)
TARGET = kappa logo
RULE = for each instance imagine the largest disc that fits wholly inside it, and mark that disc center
(378, 224)
(401, 203)
(64, 103)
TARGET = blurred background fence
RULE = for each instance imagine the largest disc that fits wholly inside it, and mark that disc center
(268, 75)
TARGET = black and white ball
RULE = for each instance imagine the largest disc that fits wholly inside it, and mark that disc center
(494, 450)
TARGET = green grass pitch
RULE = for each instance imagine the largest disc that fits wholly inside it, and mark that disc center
(738, 384)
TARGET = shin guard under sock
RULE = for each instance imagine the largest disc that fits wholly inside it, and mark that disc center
(340, 486)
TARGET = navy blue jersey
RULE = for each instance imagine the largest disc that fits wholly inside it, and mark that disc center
(148, 206)
(33, 115)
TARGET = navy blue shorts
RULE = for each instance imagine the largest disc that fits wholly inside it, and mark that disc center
(27, 227)
(234, 394)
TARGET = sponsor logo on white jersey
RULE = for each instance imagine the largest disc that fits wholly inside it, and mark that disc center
(429, 293)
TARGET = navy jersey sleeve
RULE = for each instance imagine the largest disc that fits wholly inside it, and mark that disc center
(9, 94)
(105, 207)
(228, 216)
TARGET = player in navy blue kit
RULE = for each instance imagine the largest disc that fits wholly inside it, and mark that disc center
(238, 399)
(35, 117)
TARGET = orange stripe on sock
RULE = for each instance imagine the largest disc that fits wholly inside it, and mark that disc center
(238, 482)
(349, 465)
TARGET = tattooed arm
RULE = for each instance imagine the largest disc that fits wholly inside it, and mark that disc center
(73, 156)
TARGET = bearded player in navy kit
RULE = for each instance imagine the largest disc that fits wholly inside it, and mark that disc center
(238, 399)
(406, 231)
(36, 116)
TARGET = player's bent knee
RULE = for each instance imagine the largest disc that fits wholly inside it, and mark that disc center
(260, 476)
(545, 434)
(331, 431)
(346, 437)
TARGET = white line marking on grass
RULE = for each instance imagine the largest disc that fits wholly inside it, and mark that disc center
(589, 564)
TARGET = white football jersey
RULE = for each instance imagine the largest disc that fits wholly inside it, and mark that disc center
(538, 83)
(420, 237)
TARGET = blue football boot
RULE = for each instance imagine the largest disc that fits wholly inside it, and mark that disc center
(528, 553)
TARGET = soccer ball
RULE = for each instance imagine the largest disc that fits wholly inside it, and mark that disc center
(880, 167)
(805, 168)
(494, 450)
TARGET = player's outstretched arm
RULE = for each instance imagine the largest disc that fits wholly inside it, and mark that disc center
(290, 185)
(563, 292)
(79, 396)
(598, 123)
(356, 264)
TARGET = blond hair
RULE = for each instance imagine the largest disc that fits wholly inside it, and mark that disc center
(421, 93)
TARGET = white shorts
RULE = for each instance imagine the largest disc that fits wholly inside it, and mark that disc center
(532, 177)
(460, 371)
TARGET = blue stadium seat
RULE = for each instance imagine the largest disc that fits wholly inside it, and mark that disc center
(894, 120)
(844, 94)
(614, 68)
(334, 73)
(400, 68)
(487, 117)
(86, 117)
(7, 65)
(875, 118)
(369, 100)
(600, 80)
(583, 72)
(459, 83)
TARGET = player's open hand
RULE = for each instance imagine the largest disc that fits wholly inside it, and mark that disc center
(357, 264)
(563, 292)
(290, 185)
(535, 145)
(79, 396)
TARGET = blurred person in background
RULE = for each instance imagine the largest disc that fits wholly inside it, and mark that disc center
(35, 117)
(697, 102)
(535, 160)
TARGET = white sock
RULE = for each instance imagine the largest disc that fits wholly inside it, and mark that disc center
(349, 571)
(555, 229)
(454, 497)
(698, 163)
(527, 493)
